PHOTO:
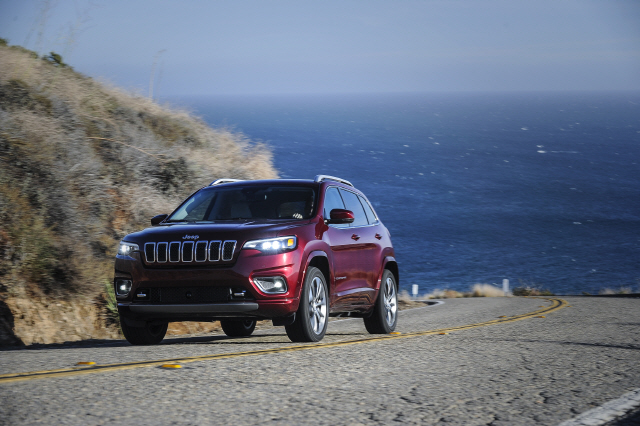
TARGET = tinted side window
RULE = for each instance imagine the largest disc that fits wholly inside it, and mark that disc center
(353, 204)
(368, 210)
(332, 200)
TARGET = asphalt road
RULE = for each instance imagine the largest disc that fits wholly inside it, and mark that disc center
(533, 371)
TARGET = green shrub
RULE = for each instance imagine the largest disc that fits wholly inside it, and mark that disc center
(531, 291)
(55, 59)
(110, 304)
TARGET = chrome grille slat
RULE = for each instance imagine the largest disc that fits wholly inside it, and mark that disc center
(187, 251)
(227, 250)
(214, 250)
(150, 252)
(201, 251)
(161, 252)
(174, 251)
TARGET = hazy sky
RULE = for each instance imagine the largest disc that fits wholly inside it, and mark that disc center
(300, 46)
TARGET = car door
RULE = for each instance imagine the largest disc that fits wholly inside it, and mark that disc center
(340, 242)
(365, 251)
(376, 236)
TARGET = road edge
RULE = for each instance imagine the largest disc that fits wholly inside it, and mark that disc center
(612, 410)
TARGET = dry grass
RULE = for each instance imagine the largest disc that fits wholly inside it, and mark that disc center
(620, 290)
(486, 290)
(477, 290)
(405, 301)
(82, 164)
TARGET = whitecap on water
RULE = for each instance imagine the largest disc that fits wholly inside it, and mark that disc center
(542, 152)
(524, 128)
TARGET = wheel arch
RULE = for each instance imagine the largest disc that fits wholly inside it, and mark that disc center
(391, 264)
(320, 260)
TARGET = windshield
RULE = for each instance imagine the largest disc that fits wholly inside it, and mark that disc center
(247, 202)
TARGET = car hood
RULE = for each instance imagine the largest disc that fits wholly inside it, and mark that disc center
(239, 231)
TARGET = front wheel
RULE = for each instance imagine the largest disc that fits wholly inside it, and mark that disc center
(238, 328)
(150, 334)
(312, 317)
(384, 317)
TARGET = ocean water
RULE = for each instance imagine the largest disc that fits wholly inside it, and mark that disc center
(541, 189)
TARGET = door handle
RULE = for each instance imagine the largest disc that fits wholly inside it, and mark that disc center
(355, 237)
(378, 236)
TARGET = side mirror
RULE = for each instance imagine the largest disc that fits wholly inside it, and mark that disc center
(157, 219)
(341, 216)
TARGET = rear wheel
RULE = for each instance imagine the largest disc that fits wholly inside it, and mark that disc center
(384, 317)
(150, 334)
(312, 317)
(240, 328)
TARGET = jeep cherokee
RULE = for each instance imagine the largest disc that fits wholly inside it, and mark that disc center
(291, 251)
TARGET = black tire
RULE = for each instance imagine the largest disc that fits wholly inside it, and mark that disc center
(312, 316)
(234, 328)
(147, 335)
(384, 317)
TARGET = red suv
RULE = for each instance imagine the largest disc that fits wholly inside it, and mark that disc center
(292, 251)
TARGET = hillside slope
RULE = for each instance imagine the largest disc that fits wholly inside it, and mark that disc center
(82, 165)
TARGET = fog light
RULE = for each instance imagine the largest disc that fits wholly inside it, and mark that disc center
(271, 285)
(123, 286)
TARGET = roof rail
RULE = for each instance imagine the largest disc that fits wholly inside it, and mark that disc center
(219, 181)
(321, 178)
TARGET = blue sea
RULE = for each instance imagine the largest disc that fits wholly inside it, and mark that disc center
(541, 189)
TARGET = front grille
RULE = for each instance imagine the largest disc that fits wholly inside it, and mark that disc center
(189, 294)
(189, 251)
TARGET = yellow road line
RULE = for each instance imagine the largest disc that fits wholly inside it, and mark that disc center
(66, 372)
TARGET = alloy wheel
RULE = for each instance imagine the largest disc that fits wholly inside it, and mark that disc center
(317, 305)
(390, 302)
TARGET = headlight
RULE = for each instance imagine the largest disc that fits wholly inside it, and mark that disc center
(126, 248)
(273, 245)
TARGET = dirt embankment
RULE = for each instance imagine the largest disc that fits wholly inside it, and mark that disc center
(82, 165)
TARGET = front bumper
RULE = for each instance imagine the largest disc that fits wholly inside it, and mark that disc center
(208, 311)
(204, 286)
(208, 308)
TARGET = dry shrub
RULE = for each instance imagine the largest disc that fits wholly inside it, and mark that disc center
(477, 290)
(82, 164)
(486, 290)
(620, 290)
(405, 301)
(444, 294)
